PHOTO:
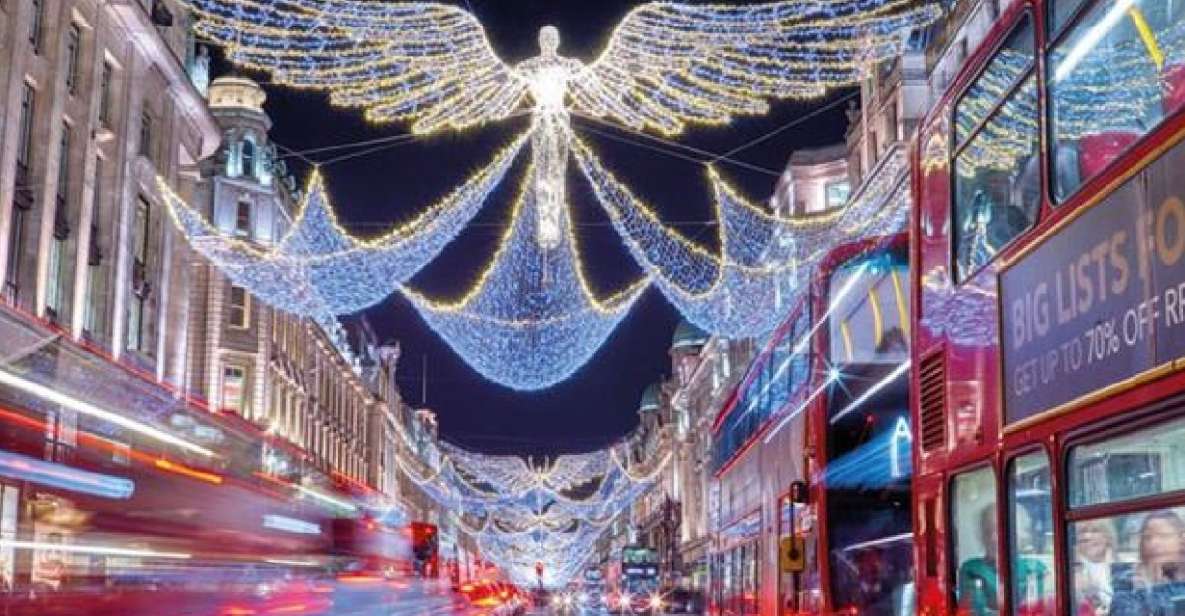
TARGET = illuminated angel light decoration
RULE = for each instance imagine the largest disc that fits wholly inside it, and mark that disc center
(531, 320)
(523, 511)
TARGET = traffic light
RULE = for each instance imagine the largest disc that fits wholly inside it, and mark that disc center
(798, 493)
(539, 569)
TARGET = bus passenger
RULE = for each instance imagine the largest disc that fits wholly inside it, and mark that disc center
(1094, 547)
(977, 584)
(1156, 586)
(1030, 574)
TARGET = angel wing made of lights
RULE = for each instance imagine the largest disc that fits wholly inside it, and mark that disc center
(671, 64)
(427, 63)
(666, 64)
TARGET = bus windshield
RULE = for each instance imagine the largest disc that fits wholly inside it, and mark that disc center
(868, 469)
(869, 310)
(639, 570)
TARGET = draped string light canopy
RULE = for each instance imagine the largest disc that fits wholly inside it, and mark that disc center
(527, 511)
(531, 319)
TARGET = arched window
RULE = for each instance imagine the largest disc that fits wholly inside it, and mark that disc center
(249, 156)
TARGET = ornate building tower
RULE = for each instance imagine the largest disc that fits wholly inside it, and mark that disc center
(229, 329)
(300, 379)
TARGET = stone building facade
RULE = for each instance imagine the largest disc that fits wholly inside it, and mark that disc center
(95, 105)
(308, 381)
(814, 180)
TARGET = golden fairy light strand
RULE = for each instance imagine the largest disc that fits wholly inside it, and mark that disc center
(532, 319)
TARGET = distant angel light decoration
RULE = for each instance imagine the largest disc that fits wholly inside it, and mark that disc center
(666, 66)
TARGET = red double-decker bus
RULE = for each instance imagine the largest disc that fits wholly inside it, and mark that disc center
(1047, 248)
(425, 548)
(829, 383)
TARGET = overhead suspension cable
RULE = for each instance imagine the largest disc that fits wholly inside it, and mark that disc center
(349, 145)
(712, 156)
(787, 126)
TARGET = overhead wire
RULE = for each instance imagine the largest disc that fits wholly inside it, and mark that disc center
(367, 152)
(352, 144)
(711, 157)
(787, 126)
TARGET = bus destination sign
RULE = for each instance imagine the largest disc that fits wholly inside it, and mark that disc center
(1101, 300)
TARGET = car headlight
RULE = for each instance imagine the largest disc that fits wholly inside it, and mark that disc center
(656, 602)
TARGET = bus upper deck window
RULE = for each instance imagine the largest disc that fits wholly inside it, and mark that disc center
(1060, 12)
(1010, 64)
(997, 173)
(997, 182)
(869, 321)
(1113, 77)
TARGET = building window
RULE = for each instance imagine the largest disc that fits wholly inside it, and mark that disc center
(105, 85)
(146, 135)
(240, 308)
(249, 156)
(73, 48)
(58, 261)
(234, 386)
(55, 296)
(243, 218)
(140, 286)
(64, 163)
(23, 197)
(9, 513)
(837, 194)
(96, 284)
(24, 149)
(36, 25)
(16, 240)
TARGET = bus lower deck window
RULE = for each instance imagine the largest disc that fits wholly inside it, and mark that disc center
(1129, 565)
(976, 540)
(1030, 536)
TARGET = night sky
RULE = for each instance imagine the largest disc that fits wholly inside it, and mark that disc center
(598, 404)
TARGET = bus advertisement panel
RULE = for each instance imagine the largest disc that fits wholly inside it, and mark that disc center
(1102, 300)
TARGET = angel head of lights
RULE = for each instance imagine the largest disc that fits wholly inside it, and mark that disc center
(531, 319)
(549, 41)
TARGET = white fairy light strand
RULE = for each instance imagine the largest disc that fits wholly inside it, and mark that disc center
(531, 319)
